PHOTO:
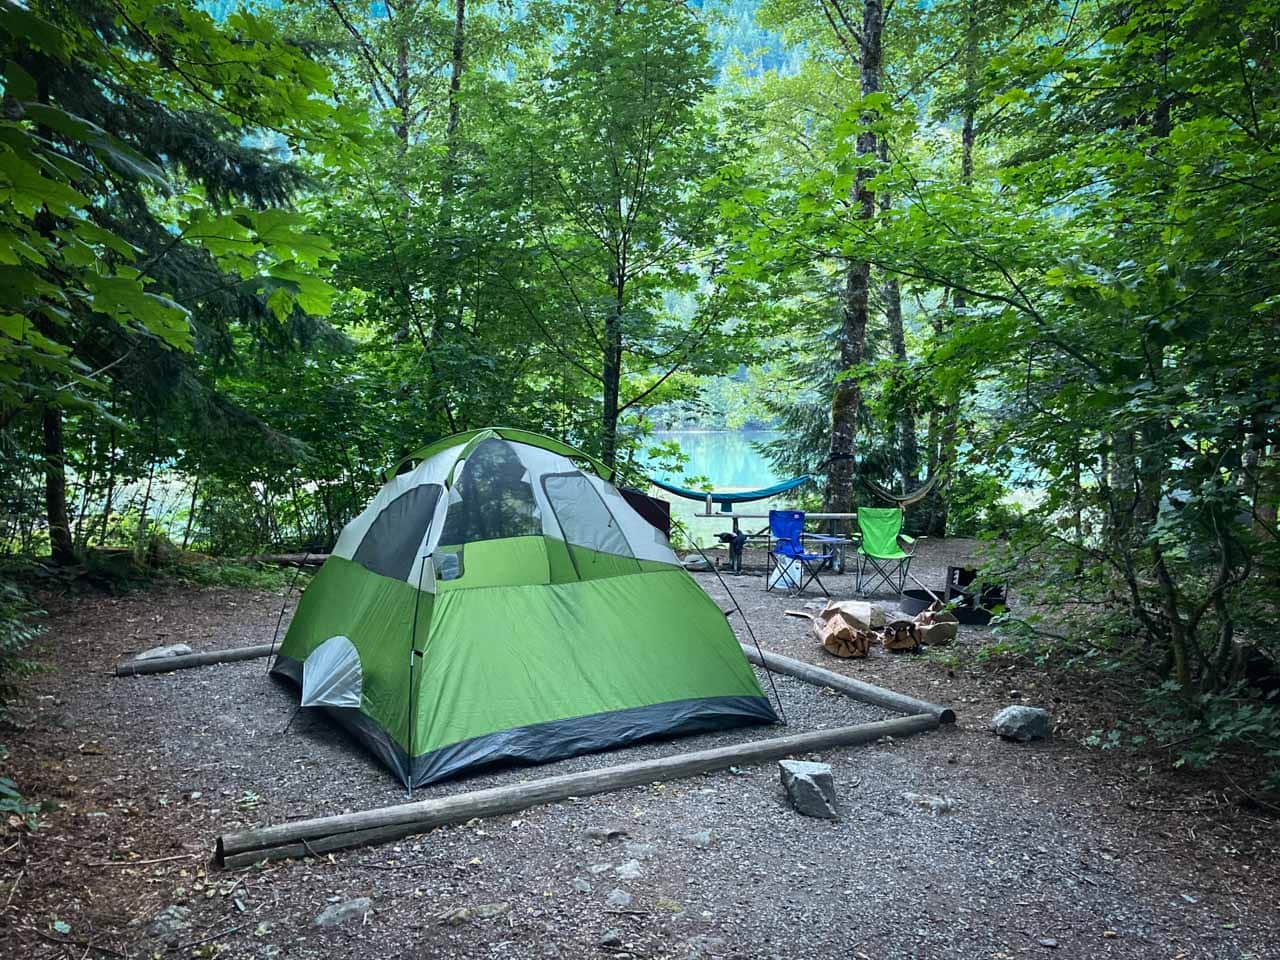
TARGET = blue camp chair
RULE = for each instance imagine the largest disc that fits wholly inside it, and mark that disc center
(786, 550)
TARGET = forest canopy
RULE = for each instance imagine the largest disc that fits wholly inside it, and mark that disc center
(251, 254)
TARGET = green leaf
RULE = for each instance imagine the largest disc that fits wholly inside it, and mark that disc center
(18, 83)
(110, 150)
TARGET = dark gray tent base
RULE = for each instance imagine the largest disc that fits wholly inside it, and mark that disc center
(325, 834)
(545, 742)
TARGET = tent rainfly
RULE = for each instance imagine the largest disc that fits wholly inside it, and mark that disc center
(501, 602)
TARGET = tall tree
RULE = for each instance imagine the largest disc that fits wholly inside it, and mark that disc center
(617, 147)
(852, 336)
(108, 107)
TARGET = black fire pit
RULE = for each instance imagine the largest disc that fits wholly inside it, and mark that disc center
(969, 607)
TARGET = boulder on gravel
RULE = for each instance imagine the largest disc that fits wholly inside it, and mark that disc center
(1022, 723)
(172, 650)
(810, 787)
(337, 913)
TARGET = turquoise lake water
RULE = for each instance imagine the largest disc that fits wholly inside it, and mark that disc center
(730, 462)
(727, 459)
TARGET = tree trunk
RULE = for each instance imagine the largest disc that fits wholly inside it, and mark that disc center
(612, 375)
(191, 512)
(851, 340)
(111, 488)
(444, 297)
(86, 488)
(949, 416)
(61, 546)
(908, 445)
(146, 502)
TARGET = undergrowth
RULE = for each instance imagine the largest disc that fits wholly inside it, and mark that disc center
(1234, 731)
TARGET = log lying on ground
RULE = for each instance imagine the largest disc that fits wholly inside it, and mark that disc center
(288, 559)
(857, 689)
(182, 661)
(324, 834)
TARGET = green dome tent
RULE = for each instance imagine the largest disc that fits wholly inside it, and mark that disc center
(502, 602)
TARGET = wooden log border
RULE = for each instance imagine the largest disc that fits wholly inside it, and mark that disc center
(325, 834)
(819, 676)
(857, 689)
(184, 660)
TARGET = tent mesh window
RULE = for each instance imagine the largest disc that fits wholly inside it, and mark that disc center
(492, 499)
(391, 543)
(583, 515)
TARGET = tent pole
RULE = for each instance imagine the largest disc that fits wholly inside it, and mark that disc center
(284, 603)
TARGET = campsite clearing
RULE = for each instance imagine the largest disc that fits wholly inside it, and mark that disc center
(1042, 843)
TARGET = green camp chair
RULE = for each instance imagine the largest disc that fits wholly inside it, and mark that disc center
(881, 558)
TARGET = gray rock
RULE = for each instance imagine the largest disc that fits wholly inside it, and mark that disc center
(612, 938)
(551, 950)
(702, 839)
(609, 831)
(810, 788)
(581, 885)
(599, 868)
(629, 871)
(619, 899)
(170, 922)
(342, 912)
(172, 650)
(1022, 723)
(640, 851)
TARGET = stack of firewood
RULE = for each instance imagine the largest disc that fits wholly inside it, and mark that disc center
(848, 628)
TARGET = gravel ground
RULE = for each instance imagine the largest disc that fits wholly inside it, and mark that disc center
(1048, 850)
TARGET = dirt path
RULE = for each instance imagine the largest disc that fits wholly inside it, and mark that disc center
(1043, 855)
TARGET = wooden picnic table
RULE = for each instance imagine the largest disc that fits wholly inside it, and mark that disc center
(831, 540)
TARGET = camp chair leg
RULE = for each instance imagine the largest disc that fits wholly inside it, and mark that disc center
(812, 571)
(892, 577)
(771, 567)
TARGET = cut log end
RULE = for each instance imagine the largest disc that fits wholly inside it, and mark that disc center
(848, 644)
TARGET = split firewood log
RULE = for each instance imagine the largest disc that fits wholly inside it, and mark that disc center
(937, 612)
(937, 634)
(901, 635)
(937, 625)
(848, 643)
(842, 634)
